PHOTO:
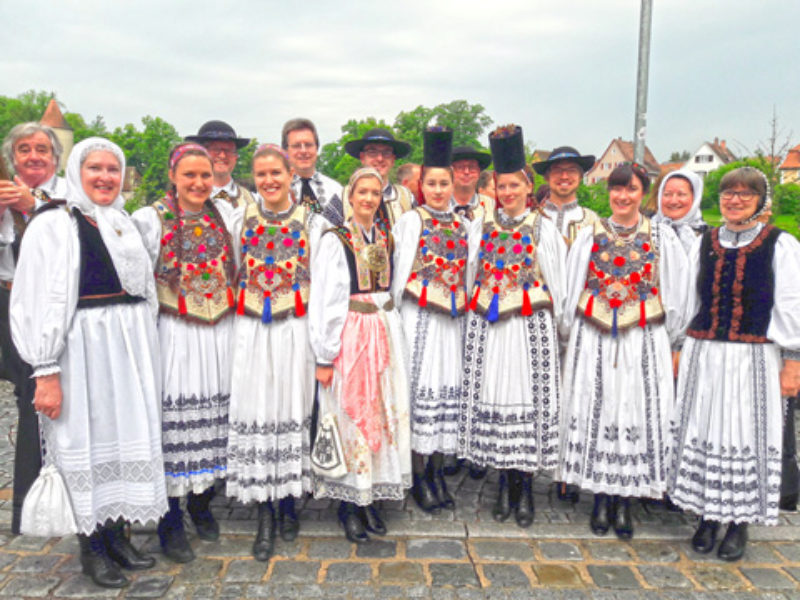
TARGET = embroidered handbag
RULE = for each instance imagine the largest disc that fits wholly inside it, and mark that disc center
(47, 509)
(327, 456)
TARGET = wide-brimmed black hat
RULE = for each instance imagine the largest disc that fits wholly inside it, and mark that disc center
(466, 153)
(217, 131)
(377, 136)
(508, 149)
(564, 153)
(437, 147)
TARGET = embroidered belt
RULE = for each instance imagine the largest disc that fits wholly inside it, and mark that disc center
(367, 308)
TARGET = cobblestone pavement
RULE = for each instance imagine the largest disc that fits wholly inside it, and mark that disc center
(460, 554)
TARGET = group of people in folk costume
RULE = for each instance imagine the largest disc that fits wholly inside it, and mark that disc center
(207, 336)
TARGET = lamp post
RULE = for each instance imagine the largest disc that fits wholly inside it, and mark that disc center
(640, 126)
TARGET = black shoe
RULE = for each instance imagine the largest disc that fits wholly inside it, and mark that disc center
(288, 523)
(122, 552)
(566, 492)
(788, 502)
(502, 508)
(732, 546)
(424, 496)
(16, 519)
(600, 520)
(705, 537)
(477, 471)
(452, 465)
(444, 497)
(372, 520)
(96, 564)
(524, 513)
(198, 507)
(264, 544)
(172, 535)
(623, 524)
(351, 523)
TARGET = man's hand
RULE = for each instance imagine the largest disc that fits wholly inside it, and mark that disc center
(15, 194)
(47, 399)
(790, 378)
(676, 362)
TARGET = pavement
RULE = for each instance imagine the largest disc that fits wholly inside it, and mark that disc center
(461, 554)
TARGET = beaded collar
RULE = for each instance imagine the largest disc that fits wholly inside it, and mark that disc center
(507, 221)
(740, 238)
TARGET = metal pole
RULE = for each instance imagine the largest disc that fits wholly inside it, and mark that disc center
(640, 127)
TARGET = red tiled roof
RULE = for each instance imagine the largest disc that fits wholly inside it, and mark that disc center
(52, 116)
(792, 160)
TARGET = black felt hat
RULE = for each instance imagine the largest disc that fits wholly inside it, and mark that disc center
(466, 153)
(217, 131)
(508, 149)
(377, 136)
(567, 153)
(437, 147)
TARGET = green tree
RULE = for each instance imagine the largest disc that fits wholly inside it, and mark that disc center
(28, 106)
(243, 172)
(82, 130)
(786, 199)
(595, 197)
(679, 156)
(711, 182)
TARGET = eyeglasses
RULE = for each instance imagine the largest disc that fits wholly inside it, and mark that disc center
(376, 152)
(745, 195)
(302, 146)
(466, 167)
(220, 151)
(679, 195)
(571, 171)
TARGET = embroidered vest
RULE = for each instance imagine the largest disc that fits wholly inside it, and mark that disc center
(509, 279)
(195, 271)
(437, 279)
(99, 283)
(274, 277)
(622, 280)
(573, 227)
(737, 289)
(243, 196)
(370, 269)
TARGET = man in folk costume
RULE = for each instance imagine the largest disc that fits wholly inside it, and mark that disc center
(378, 149)
(300, 140)
(467, 166)
(33, 152)
(563, 171)
(220, 140)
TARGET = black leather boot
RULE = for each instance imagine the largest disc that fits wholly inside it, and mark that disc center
(421, 490)
(121, 551)
(705, 537)
(264, 544)
(372, 520)
(524, 513)
(172, 535)
(733, 544)
(199, 509)
(600, 520)
(351, 523)
(567, 492)
(436, 478)
(477, 471)
(623, 524)
(452, 465)
(96, 563)
(288, 523)
(502, 508)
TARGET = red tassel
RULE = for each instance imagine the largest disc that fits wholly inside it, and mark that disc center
(474, 304)
(527, 311)
(466, 301)
(240, 307)
(181, 304)
(642, 315)
(589, 305)
(423, 297)
(299, 309)
(231, 299)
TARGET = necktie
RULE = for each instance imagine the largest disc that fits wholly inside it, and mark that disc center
(222, 194)
(306, 193)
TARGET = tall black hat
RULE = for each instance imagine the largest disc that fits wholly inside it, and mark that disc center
(217, 131)
(466, 153)
(437, 147)
(377, 136)
(567, 153)
(508, 149)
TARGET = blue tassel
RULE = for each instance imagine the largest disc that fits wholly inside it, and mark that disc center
(266, 316)
(614, 324)
(453, 310)
(494, 309)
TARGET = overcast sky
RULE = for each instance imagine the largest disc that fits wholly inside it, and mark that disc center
(564, 70)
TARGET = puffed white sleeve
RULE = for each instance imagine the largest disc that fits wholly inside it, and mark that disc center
(6, 228)
(45, 292)
(551, 253)
(329, 298)
(149, 226)
(577, 267)
(475, 230)
(406, 233)
(674, 282)
(316, 226)
(234, 221)
(784, 323)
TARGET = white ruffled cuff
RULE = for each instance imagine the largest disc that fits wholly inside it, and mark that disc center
(46, 368)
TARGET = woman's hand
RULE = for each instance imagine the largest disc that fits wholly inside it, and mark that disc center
(676, 362)
(790, 378)
(324, 375)
(47, 399)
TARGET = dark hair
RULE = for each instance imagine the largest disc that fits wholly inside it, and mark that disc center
(297, 125)
(272, 150)
(623, 174)
(746, 176)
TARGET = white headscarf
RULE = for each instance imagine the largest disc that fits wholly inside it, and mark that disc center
(689, 224)
(119, 234)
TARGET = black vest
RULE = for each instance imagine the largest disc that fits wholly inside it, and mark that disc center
(737, 289)
(349, 252)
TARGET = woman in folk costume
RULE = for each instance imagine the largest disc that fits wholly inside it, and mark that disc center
(273, 365)
(187, 236)
(679, 197)
(84, 318)
(357, 337)
(742, 353)
(431, 260)
(624, 311)
(512, 378)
